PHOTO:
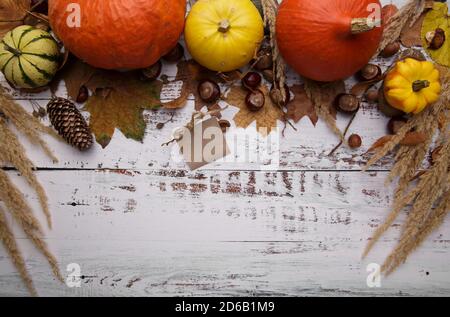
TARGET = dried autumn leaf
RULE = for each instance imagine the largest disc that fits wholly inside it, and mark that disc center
(410, 139)
(436, 18)
(118, 102)
(191, 74)
(12, 14)
(413, 138)
(360, 88)
(266, 119)
(301, 106)
(75, 74)
(410, 35)
(380, 143)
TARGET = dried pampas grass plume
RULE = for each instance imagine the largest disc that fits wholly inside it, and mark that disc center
(13, 152)
(425, 194)
(405, 17)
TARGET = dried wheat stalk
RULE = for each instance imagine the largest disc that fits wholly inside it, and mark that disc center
(428, 196)
(270, 9)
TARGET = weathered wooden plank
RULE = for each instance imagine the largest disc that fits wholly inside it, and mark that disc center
(223, 233)
(305, 149)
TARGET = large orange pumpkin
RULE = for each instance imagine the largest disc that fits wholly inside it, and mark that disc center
(118, 34)
(327, 40)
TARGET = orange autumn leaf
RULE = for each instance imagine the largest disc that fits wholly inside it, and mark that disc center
(191, 74)
(266, 119)
(410, 139)
(301, 106)
(12, 14)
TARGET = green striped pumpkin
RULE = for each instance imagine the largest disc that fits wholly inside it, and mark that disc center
(29, 57)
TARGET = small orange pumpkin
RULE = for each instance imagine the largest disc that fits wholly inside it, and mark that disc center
(328, 40)
(118, 34)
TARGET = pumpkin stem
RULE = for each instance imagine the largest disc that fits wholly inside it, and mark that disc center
(362, 25)
(418, 85)
(224, 26)
(13, 50)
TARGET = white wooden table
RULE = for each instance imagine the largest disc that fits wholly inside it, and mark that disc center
(138, 223)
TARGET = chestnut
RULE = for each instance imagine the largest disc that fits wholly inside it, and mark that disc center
(355, 141)
(347, 103)
(209, 91)
(264, 62)
(83, 94)
(175, 54)
(152, 73)
(276, 96)
(252, 80)
(255, 100)
(390, 50)
(395, 124)
(369, 72)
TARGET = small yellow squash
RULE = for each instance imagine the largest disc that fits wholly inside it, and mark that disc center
(223, 35)
(412, 85)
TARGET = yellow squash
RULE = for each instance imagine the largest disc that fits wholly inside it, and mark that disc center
(412, 85)
(223, 35)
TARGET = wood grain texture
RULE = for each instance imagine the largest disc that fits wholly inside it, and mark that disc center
(223, 233)
(140, 224)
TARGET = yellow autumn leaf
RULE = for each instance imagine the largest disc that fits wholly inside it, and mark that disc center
(438, 17)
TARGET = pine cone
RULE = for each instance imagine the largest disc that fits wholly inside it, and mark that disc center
(70, 124)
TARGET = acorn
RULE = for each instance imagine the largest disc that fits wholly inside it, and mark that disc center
(395, 124)
(83, 95)
(255, 100)
(435, 39)
(277, 98)
(390, 50)
(347, 103)
(209, 91)
(152, 73)
(355, 141)
(252, 80)
(175, 54)
(369, 72)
